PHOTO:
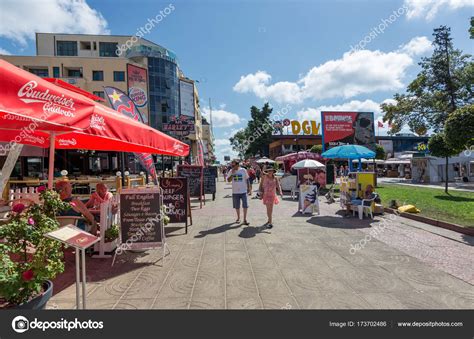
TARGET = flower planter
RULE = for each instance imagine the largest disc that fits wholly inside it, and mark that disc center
(108, 246)
(39, 302)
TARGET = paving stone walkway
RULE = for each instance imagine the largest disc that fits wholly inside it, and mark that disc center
(304, 262)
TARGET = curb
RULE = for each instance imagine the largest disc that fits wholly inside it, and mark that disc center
(434, 222)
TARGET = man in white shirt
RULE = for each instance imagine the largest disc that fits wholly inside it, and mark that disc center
(240, 188)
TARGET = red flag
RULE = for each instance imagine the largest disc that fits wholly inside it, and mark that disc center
(379, 124)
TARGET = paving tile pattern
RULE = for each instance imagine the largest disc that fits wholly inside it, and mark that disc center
(304, 262)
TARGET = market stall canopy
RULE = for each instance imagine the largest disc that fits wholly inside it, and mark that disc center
(349, 152)
(33, 109)
(298, 156)
(396, 161)
(308, 163)
(370, 161)
(265, 160)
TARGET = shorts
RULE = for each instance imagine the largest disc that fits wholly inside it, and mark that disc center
(236, 200)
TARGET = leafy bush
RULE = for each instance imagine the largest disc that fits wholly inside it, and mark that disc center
(27, 258)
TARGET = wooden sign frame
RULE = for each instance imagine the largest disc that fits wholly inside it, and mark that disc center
(188, 201)
(179, 174)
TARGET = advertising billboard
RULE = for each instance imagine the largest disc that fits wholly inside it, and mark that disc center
(186, 97)
(137, 82)
(343, 128)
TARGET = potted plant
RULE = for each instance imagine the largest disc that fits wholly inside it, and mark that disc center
(111, 236)
(28, 259)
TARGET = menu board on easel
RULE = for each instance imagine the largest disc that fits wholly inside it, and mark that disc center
(210, 176)
(176, 199)
(141, 223)
(195, 180)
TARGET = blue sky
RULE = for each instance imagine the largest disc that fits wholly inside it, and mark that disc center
(291, 53)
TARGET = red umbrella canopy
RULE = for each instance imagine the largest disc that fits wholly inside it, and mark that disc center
(31, 108)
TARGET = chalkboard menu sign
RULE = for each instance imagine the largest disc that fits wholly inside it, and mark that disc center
(140, 220)
(194, 175)
(210, 176)
(176, 198)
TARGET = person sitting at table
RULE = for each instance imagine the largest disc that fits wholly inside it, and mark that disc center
(368, 194)
(100, 195)
(77, 209)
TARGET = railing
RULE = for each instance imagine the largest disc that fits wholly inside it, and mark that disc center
(115, 183)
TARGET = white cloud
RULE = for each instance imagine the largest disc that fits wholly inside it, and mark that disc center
(356, 73)
(222, 142)
(351, 106)
(221, 118)
(258, 84)
(22, 18)
(222, 148)
(4, 51)
(430, 8)
(230, 133)
(417, 46)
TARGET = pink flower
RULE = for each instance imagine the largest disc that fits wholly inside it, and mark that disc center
(73, 204)
(27, 275)
(41, 189)
(31, 221)
(18, 208)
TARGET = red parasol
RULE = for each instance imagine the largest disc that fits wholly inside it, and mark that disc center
(36, 112)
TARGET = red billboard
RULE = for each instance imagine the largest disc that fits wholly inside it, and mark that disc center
(344, 128)
(137, 85)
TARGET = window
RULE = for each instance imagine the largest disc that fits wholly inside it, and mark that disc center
(66, 48)
(99, 94)
(85, 45)
(119, 76)
(108, 49)
(41, 72)
(98, 75)
(56, 72)
(74, 73)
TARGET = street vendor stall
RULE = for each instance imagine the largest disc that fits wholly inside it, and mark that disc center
(288, 180)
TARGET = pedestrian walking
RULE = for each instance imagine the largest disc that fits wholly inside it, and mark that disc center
(252, 176)
(269, 186)
(240, 188)
(258, 173)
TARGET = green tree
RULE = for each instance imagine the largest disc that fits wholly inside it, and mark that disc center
(317, 149)
(256, 137)
(439, 148)
(237, 142)
(443, 85)
(459, 128)
(379, 152)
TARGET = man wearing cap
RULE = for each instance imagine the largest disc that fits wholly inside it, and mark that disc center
(240, 188)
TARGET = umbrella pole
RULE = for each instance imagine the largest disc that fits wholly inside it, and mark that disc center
(52, 144)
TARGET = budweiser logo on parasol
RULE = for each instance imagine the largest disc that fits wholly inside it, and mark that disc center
(59, 104)
(97, 122)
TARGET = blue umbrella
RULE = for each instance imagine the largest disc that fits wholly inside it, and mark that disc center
(349, 152)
